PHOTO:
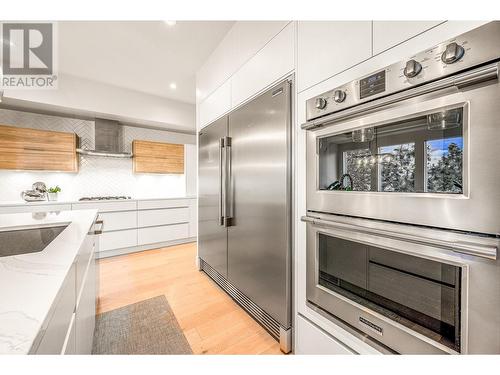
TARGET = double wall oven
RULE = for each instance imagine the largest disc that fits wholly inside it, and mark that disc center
(403, 200)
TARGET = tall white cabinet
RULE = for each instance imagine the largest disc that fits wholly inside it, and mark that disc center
(387, 34)
(328, 47)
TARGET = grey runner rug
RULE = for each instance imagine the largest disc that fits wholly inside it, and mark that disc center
(146, 327)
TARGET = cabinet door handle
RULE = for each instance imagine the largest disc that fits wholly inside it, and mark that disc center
(228, 183)
(101, 223)
(221, 184)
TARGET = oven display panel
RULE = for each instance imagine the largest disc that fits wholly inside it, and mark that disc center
(372, 85)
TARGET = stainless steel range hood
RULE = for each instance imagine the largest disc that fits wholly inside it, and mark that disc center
(108, 140)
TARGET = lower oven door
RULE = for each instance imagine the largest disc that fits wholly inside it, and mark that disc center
(407, 296)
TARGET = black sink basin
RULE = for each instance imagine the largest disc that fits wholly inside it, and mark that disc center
(24, 241)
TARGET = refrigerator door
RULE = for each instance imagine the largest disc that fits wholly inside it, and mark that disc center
(212, 234)
(259, 188)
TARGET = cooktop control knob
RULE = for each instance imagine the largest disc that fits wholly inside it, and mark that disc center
(320, 103)
(452, 53)
(412, 68)
(339, 96)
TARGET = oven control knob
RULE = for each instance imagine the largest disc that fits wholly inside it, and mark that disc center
(452, 53)
(412, 68)
(339, 96)
(320, 103)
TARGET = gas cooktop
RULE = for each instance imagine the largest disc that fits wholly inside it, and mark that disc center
(105, 198)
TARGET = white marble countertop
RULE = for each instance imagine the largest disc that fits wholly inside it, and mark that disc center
(23, 203)
(30, 282)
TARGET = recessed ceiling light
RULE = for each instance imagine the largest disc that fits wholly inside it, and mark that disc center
(173, 85)
(170, 23)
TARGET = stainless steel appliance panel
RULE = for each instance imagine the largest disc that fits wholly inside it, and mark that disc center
(480, 198)
(212, 234)
(259, 191)
(479, 299)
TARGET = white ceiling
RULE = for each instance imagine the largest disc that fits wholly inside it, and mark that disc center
(146, 56)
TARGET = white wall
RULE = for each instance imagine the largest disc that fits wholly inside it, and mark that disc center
(79, 96)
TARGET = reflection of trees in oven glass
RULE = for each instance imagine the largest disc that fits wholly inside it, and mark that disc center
(444, 165)
(398, 174)
(361, 174)
(440, 169)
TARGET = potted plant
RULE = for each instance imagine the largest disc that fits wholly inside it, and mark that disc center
(52, 193)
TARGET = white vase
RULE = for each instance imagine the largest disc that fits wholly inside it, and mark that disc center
(52, 196)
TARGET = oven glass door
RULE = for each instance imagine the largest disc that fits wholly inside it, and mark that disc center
(421, 154)
(423, 295)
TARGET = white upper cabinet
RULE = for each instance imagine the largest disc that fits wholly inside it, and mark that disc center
(253, 55)
(241, 42)
(326, 48)
(218, 103)
(271, 63)
(387, 34)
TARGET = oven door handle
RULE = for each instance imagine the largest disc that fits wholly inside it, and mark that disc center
(469, 248)
(482, 74)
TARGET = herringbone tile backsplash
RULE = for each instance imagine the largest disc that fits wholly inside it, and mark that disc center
(97, 175)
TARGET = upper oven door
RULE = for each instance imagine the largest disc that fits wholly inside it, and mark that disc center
(430, 160)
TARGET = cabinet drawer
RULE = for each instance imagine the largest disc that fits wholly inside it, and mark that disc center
(118, 239)
(106, 206)
(165, 216)
(163, 233)
(313, 340)
(119, 220)
(162, 203)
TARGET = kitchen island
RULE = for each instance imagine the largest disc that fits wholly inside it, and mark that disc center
(47, 298)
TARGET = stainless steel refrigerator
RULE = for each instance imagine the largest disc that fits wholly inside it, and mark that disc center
(244, 203)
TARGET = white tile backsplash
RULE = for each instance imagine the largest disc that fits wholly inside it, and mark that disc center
(97, 175)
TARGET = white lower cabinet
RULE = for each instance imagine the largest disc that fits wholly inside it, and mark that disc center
(149, 218)
(311, 339)
(119, 220)
(193, 218)
(54, 331)
(85, 311)
(69, 328)
(162, 233)
(70, 343)
(117, 240)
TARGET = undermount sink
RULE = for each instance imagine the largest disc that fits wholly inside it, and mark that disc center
(24, 241)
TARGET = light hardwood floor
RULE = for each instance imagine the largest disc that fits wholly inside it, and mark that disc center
(211, 321)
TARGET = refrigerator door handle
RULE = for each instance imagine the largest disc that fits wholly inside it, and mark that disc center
(221, 184)
(228, 196)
